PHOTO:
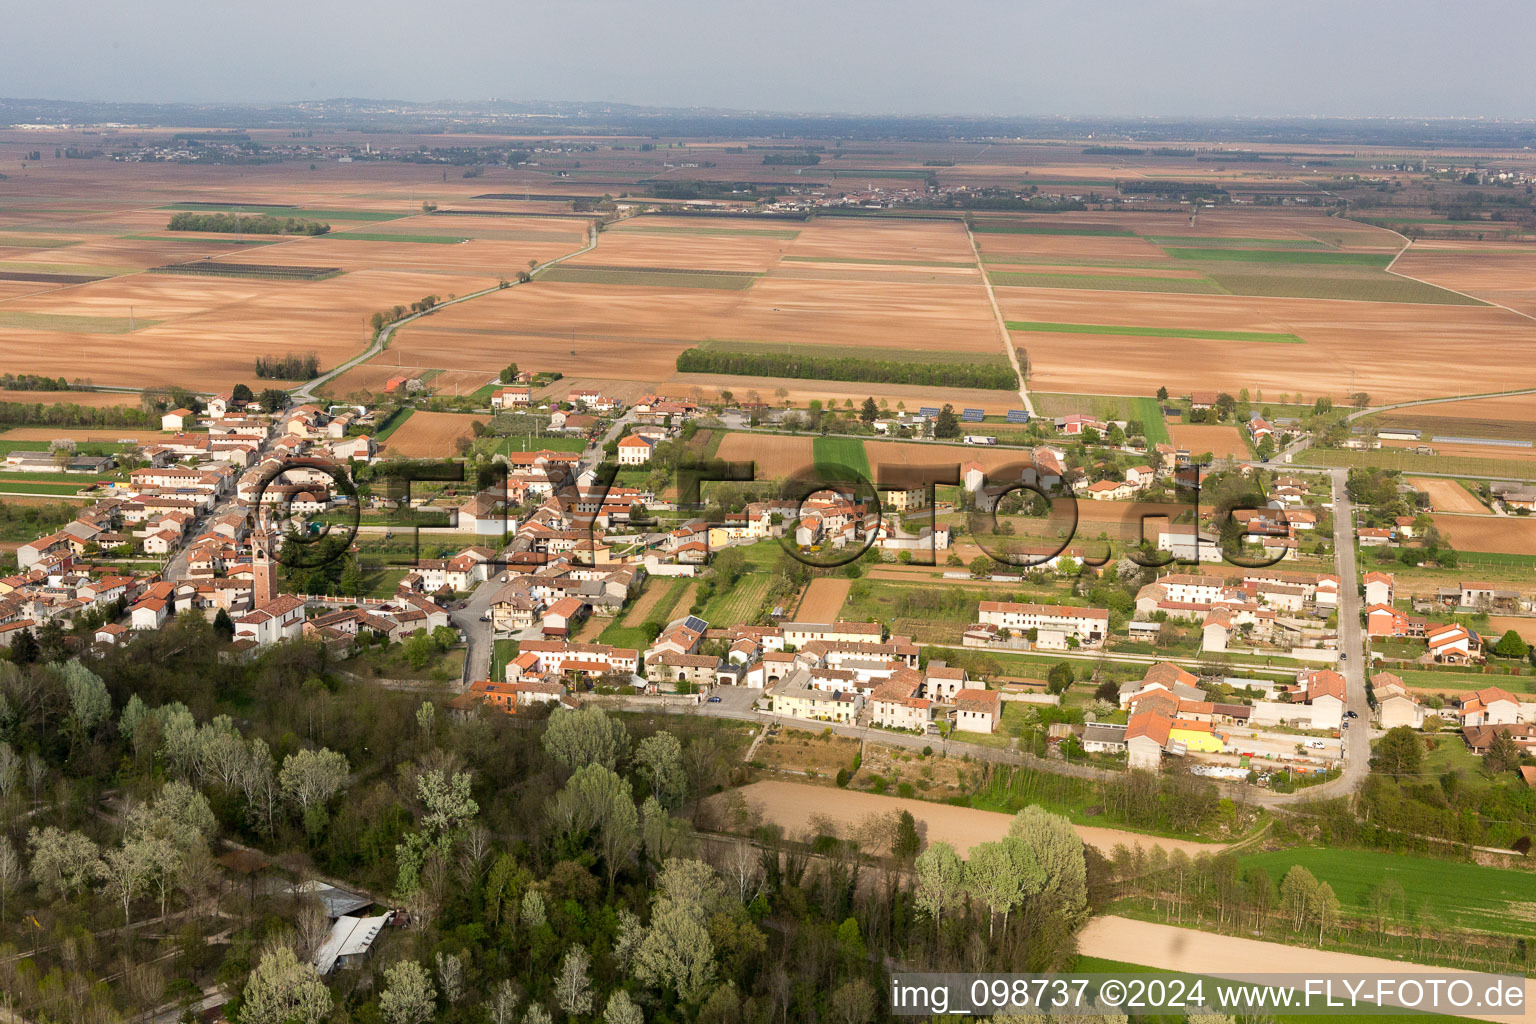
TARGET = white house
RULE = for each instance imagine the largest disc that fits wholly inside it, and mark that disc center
(634, 450)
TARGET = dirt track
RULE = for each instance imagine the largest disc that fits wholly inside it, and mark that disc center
(1223, 956)
(791, 804)
(1448, 496)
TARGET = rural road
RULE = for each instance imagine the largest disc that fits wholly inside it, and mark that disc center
(1002, 325)
(306, 392)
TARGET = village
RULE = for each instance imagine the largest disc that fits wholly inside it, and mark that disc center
(1233, 672)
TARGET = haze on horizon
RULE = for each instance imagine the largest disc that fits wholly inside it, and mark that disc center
(1110, 57)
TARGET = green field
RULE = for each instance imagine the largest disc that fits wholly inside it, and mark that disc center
(376, 236)
(1114, 407)
(286, 211)
(1106, 282)
(1345, 283)
(73, 324)
(394, 425)
(1450, 681)
(1154, 332)
(518, 443)
(1221, 255)
(1234, 243)
(27, 487)
(24, 242)
(79, 269)
(760, 232)
(1464, 895)
(205, 239)
(740, 603)
(620, 635)
(834, 454)
(650, 277)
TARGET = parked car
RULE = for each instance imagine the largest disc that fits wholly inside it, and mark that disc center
(714, 700)
(1351, 714)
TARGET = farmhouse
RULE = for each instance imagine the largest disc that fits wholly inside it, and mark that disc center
(634, 451)
(978, 710)
(1146, 734)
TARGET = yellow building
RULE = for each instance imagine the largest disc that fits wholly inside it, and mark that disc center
(1196, 736)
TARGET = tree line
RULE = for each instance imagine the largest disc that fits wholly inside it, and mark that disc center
(34, 382)
(289, 366)
(67, 414)
(258, 225)
(808, 366)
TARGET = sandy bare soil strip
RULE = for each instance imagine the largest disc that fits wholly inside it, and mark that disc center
(823, 600)
(1448, 496)
(1224, 956)
(791, 805)
(1501, 534)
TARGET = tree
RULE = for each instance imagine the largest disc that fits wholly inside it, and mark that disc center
(573, 985)
(621, 1009)
(125, 873)
(1503, 753)
(585, 736)
(1296, 895)
(1323, 907)
(676, 953)
(1399, 753)
(282, 990)
(1000, 874)
(907, 841)
(24, 648)
(1059, 851)
(241, 395)
(509, 374)
(450, 975)
(659, 760)
(940, 881)
(1059, 678)
(501, 1008)
(1162, 394)
(311, 777)
(596, 801)
(946, 424)
(1511, 645)
(10, 872)
(89, 702)
(273, 400)
(853, 1002)
(224, 625)
(869, 412)
(408, 996)
(63, 863)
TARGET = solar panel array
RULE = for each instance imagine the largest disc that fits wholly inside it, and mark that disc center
(973, 415)
(928, 410)
(1018, 416)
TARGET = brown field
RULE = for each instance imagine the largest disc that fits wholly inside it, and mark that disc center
(799, 392)
(1505, 275)
(81, 434)
(823, 599)
(94, 399)
(1219, 439)
(775, 455)
(1448, 495)
(429, 434)
(649, 598)
(793, 804)
(1509, 535)
(1498, 625)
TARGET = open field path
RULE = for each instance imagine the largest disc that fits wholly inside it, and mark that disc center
(1173, 948)
(306, 392)
(1002, 325)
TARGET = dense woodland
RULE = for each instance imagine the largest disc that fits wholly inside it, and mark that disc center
(157, 801)
(259, 225)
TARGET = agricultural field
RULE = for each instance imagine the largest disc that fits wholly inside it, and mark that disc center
(1509, 535)
(1448, 496)
(1220, 440)
(429, 435)
(823, 600)
(1462, 895)
(835, 456)
(776, 455)
(91, 399)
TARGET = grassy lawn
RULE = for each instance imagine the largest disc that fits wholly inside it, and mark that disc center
(1153, 332)
(1106, 282)
(502, 652)
(1460, 894)
(1465, 681)
(382, 582)
(1410, 462)
(25, 487)
(840, 453)
(394, 425)
(516, 443)
(738, 604)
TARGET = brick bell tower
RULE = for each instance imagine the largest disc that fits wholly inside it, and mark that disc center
(264, 576)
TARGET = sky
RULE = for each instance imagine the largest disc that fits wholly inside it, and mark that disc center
(1431, 58)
